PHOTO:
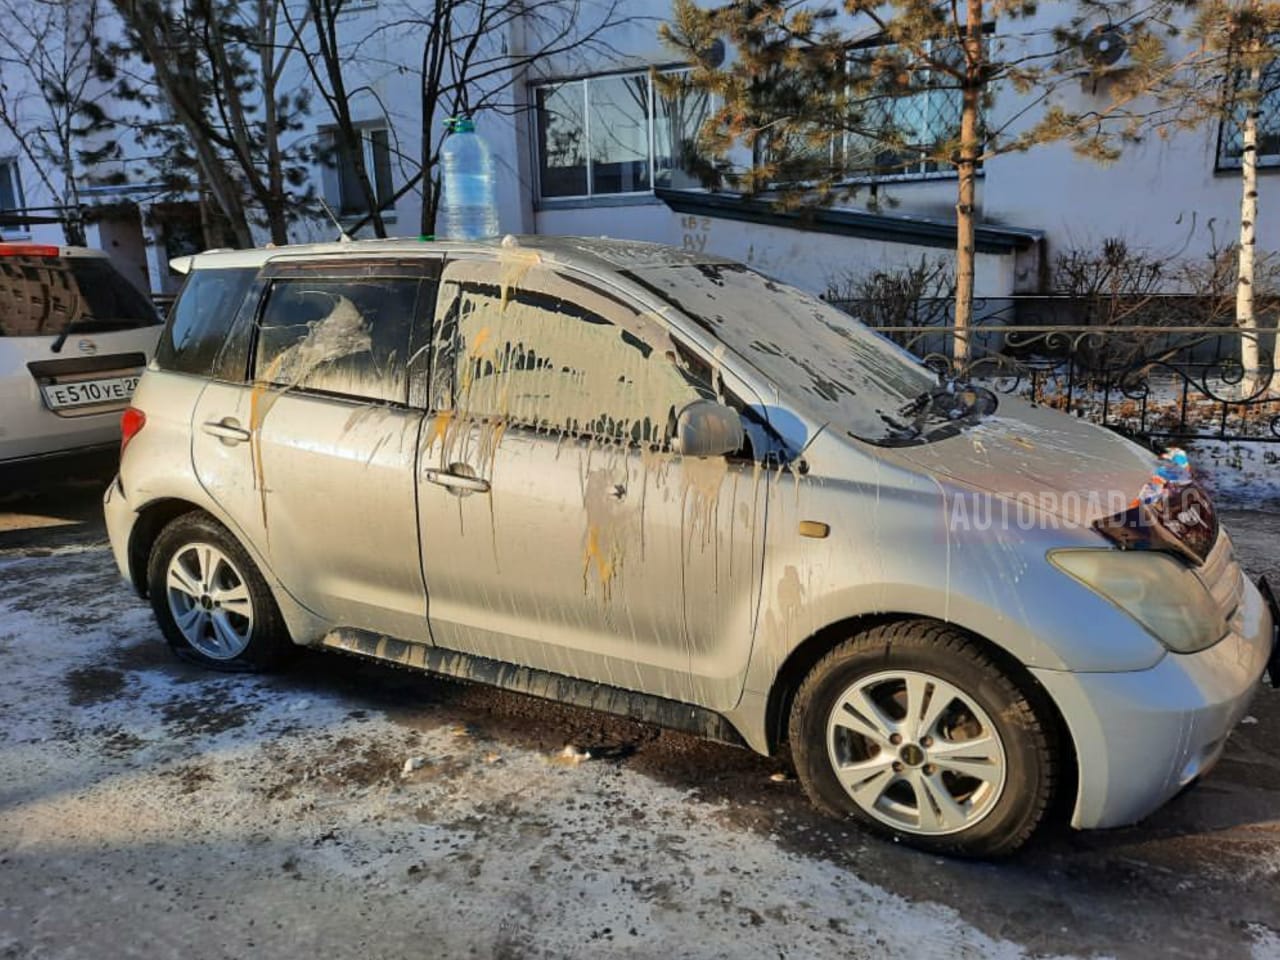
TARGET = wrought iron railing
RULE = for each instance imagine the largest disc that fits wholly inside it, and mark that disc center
(1120, 312)
(1160, 384)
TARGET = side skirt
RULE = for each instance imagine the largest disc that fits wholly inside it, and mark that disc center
(536, 683)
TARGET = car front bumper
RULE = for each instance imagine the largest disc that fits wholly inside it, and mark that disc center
(1141, 736)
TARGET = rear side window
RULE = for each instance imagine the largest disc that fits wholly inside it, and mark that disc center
(200, 321)
(40, 296)
(111, 301)
(348, 337)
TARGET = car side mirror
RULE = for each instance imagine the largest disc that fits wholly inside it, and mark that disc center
(705, 428)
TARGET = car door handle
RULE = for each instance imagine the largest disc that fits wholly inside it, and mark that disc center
(457, 481)
(226, 429)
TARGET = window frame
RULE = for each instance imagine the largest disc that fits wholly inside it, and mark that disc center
(589, 163)
(947, 173)
(901, 176)
(365, 129)
(651, 121)
(10, 167)
(1223, 163)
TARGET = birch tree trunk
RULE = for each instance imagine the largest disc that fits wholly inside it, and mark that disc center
(1252, 383)
(967, 169)
(72, 214)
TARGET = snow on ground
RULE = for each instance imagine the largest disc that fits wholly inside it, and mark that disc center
(149, 808)
(1240, 474)
(484, 847)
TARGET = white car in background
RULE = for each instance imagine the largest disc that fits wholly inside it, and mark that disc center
(75, 336)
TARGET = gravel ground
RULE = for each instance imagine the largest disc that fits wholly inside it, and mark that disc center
(152, 809)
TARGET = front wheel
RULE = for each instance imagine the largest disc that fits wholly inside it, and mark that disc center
(914, 730)
(210, 600)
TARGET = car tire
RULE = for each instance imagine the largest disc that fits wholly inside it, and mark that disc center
(913, 729)
(212, 604)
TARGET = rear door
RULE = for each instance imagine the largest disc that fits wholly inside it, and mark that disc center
(558, 530)
(314, 456)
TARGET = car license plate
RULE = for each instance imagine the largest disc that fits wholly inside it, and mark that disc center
(84, 392)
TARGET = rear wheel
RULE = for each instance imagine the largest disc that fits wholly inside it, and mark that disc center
(914, 730)
(210, 600)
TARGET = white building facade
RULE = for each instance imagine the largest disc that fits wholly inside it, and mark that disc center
(586, 144)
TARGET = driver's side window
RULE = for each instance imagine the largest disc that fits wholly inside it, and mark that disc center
(541, 349)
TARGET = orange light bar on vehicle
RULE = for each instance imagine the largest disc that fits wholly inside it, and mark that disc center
(29, 250)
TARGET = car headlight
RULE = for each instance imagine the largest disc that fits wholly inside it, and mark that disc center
(1158, 591)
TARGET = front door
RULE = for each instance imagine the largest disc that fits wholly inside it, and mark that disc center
(558, 530)
(314, 457)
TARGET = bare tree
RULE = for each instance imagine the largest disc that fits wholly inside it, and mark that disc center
(315, 30)
(915, 294)
(475, 56)
(214, 70)
(49, 51)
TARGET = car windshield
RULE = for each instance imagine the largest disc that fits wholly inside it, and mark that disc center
(840, 371)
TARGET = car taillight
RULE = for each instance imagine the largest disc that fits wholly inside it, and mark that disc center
(131, 422)
(29, 250)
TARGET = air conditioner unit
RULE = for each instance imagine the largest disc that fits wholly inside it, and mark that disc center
(1104, 46)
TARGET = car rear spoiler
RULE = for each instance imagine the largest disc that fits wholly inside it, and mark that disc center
(184, 265)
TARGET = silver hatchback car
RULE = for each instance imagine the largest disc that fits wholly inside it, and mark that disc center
(660, 484)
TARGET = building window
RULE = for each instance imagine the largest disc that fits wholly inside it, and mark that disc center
(615, 135)
(1231, 131)
(375, 147)
(11, 197)
(914, 124)
(678, 119)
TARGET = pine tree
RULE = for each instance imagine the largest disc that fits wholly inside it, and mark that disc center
(817, 96)
(207, 75)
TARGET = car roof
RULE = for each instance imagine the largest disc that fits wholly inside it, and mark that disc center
(599, 252)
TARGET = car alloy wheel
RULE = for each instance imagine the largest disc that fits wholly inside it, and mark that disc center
(209, 601)
(916, 753)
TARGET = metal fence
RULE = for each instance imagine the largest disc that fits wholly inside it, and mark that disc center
(1159, 383)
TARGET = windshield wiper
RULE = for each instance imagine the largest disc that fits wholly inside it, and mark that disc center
(902, 431)
(71, 324)
(952, 402)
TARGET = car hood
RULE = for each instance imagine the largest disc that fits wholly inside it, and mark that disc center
(1023, 451)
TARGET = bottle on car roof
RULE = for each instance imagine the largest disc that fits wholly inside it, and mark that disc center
(467, 207)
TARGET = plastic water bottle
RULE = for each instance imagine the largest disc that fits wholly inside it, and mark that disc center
(467, 207)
